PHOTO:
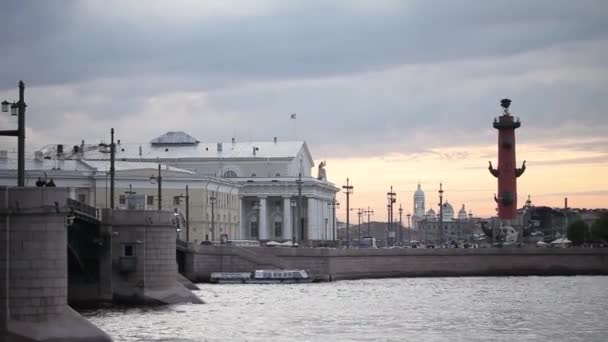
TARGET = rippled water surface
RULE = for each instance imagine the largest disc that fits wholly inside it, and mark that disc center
(412, 309)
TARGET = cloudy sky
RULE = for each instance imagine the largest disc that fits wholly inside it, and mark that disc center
(388, 92)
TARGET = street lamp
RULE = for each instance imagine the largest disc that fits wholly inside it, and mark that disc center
(441, 215)
(18, 109)
(294, 203)
(400, 223)
(213, 200)
(409, 228)
(369, 213)
(159, 180)
(348, 188)
(333, 205)
(392, 198)
(187, 197)
(359, 214)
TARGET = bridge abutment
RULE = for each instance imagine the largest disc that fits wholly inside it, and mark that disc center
(34, 269)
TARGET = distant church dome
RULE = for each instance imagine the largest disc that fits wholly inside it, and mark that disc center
(431, 215)
(418, 203)
(462, 214)
(419, 192)
(448, 212)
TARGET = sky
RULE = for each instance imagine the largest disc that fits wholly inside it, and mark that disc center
(386, 92)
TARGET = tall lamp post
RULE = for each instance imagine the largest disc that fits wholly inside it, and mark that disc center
(359, 214)
(18, 110)
(391, 196)
(187, 198)
(294, 230)
(213, 200)
(409, 228)
(400, 224)
(369, 213)
(348, 189)
(159, 180)
(441, 215)
(333, 205)
(112, 169)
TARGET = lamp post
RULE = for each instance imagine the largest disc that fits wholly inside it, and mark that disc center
(187, 198)
(112, 169)
(18, 109)
(159, 180)
(426, 230)
(348, 190)
(400, 223)
(391, 196)
(441, 215)
(369, 213)
(300, 211)
(213, 200)
(333, 205)
(409, 228)
(359, 214)
(293, 203)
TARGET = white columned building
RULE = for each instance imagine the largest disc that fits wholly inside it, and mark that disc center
(265, 178)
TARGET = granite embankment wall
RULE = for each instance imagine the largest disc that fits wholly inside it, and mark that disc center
(337, 264)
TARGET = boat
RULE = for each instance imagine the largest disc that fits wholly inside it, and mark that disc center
(261, 277)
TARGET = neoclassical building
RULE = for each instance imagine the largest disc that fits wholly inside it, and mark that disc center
(275, 196)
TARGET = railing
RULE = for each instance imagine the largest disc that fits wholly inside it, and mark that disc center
(82, 208)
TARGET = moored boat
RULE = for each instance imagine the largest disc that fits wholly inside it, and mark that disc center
(269, 276)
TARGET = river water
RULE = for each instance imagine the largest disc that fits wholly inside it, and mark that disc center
(406, 309)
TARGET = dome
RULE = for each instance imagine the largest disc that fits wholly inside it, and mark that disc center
(419, 192)
(448, 211)
(462, 213)
(431, 216)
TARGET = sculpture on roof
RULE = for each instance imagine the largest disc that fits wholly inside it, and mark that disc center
(322, 175)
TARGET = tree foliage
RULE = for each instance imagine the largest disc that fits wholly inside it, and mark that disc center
(599, 229)
(578, 232)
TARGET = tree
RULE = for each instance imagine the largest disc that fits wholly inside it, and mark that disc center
(599, 229)
(578, 232)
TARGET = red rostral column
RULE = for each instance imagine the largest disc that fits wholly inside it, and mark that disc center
(506, 172)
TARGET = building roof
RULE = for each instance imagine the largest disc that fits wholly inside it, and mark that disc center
(83, 165)
(225, 150)
(175, 138)
(46, 165)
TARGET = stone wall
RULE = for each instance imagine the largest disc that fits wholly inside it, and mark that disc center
(33, 275)
(336, 264)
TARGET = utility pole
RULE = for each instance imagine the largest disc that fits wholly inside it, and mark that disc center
(441, 215)
(213, 199)
(18, 109)
(349, 190)
(112, 169)
(369, 213)
(159, 179)
(566, 225)
(187, 215)
(400, 223)
(359, 214)
(391, 196)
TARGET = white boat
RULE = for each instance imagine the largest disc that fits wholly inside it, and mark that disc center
(261, 277)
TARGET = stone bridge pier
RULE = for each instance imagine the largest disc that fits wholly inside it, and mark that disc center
(34, 269)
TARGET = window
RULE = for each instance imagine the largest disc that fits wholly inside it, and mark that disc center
(230, 174)
(176, 200)
(128, 250)
(122, 199)
(254, 229)
(82, 198)
(150, 200)
(278, 229)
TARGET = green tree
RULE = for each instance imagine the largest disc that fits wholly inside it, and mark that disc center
(577, 232)
(599, 229)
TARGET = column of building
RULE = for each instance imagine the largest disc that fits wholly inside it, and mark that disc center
(287, 220)
(263, 221)
(312, 219)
